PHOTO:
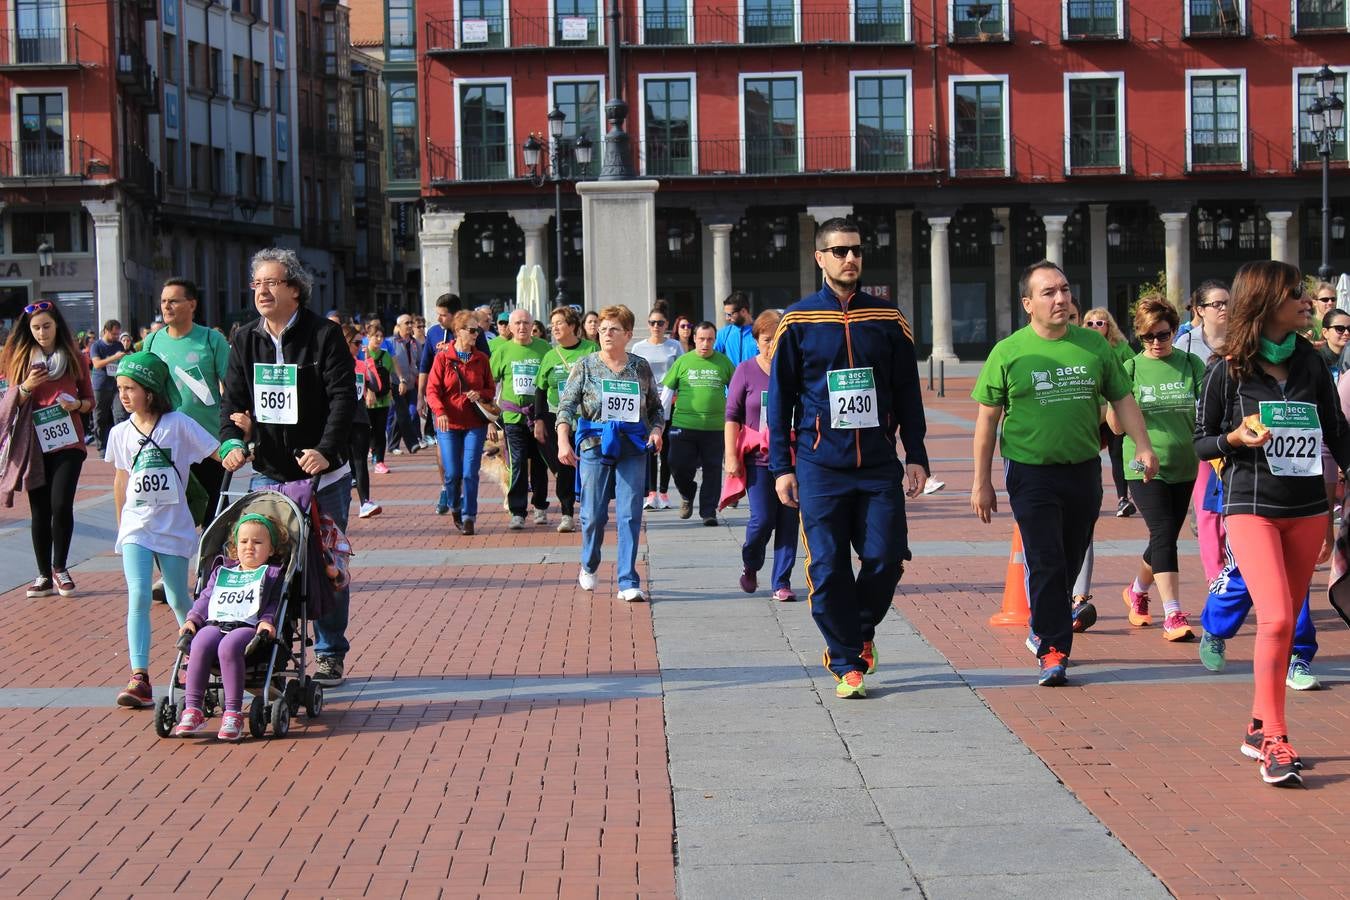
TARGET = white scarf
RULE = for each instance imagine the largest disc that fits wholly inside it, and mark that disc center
(56, 363)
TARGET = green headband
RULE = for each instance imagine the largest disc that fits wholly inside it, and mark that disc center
(256, 517)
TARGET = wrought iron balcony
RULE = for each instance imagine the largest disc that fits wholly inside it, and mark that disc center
(1215, 18)
(41, 48)
(1320, 15)
(140, 174)
(136, 76)
(1217, 151)
(43, 159)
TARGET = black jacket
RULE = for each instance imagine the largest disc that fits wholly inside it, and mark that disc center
(1248, 485)
(325, 382)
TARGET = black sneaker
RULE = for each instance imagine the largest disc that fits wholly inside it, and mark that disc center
(1279, 762)
(711, 521)
(1084, 615)
(328, 671)
(686, 508)
(457, 519)
(1124, 509)
(41, 587)
(1252, 741)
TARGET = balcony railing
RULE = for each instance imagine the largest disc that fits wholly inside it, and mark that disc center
(1088, 19)
(40, 47)
(1320, 15)
(43, 159)
(1093, 151)
(1220, 150)
(134, 74)
(140, 174)
(1215, 18)
(978, 21)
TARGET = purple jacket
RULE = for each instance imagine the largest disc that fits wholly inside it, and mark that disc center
(21, 467)
(271, 596)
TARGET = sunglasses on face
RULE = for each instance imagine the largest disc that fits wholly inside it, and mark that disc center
(1156, 336)
(1296, 292)
(1339, 329)
(656, 322)
(472, 329)
(40, 306)
(841, 252)
(1095, 324)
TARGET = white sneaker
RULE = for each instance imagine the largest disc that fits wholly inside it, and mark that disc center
(369, 509)
(565, 525)
(632, 595)
(517, 523)
(541, 517)
(649, 502)
(932, 485)
(663, 501)
(586, 580)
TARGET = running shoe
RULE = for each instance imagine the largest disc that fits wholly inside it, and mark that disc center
(663, 501)
(370, 508)
(443, 503)
(1177, 628)
(396, 451)
(192, 722)
(517, 523)
(566, 525)
(1300, 677)
(65, 585)
(649, 502)
(711, 521)
(1280, 764)
(231, 727)
(1054, 669)
(1251, 742)
(1124, 509)
(1211, 651)
(41, 587)
(749, 581)
(468, 525)
(1137, 604)
(851, 686)
(784, 595)
(329, 671)
(686, 508)
(932, 485)
(457, 519)
(541, 517)
(1084, 613)
(870, 656)
(1034, 643)
(632, 595)
(586, 580)
(137, 694)
(380, 469)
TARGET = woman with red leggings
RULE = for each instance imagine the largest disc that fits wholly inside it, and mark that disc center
(1267, 412)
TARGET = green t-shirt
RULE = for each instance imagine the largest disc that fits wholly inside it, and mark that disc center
(381, 357)
(700, 386)
(1166, 390)
(1124, 352)
(515, 368)
(198, 362)
(1052, 392)
(557, 365)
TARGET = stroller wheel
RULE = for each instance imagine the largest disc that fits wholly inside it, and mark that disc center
(314, 700)
(281, 718)
(294, 694)
(166, 714)
(257, 717)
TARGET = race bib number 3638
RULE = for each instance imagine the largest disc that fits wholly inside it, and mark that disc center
(275, 396)
(55, 428)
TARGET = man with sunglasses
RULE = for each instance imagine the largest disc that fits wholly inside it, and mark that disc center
(734, 340)
(844, 379)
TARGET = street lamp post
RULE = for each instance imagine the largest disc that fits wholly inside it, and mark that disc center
(542, 171)
(1326, 114)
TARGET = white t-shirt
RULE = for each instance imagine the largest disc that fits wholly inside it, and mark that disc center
(166, 527)
(660, 357)
(1193, 342)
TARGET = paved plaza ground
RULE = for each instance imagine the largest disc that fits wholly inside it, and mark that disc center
(503, 733)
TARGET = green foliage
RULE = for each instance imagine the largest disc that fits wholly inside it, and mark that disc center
(1148, 288)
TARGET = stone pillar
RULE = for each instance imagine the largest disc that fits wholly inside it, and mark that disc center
(534, 222)
(440, 257)
(940, 268)
(806, 224)
(721, 265)
(619, 214)
(904, 262)
(1279, 236)
(1099, 259)
(108, 256)
(1003, 289)
(1054, 238)
(1177, 256)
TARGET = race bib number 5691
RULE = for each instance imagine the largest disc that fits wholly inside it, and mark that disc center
(275, 397)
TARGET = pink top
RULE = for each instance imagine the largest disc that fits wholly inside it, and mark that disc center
(75, 382)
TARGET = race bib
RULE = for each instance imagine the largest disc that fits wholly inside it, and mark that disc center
(360, 385)
(194, 383)
(55, 428)
(619, 400)
(154, 480)
(853, 398)
(763, 411)
(238, 596)
(1295, 446)
(276, 401)
(523, 374)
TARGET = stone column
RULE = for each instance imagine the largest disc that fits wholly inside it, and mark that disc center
(1177, 256)
(940, 268)
(1099, 259)
(904, 262)
(810, 272)
(1054, 238)
(108, 256)
(1003, 289)
(440, 257)
(619, 214)
(1279, 236)
(721, 264)
(534, 222)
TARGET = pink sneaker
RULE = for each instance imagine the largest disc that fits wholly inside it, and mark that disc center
(192, 722)
(784, 595)
(381, 469)
(231, 727)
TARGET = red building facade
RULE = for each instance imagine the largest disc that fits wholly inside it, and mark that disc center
(1129, 140)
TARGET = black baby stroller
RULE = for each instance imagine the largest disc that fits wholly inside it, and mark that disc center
(276, 671)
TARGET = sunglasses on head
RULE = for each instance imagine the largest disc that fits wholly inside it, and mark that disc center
(843, 251)
(40, 306)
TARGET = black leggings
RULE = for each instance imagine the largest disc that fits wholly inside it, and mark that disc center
(378, 438)
(53, 510)
(360, 446)
(658, 465)
(1115, 448)
(1164, 507)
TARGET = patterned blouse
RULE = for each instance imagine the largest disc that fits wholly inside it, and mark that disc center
(580, 397)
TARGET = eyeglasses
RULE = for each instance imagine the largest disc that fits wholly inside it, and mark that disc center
(1217, 304)
(1156, 336)
(270, 283)
(473, 329)
(656, 322)
(1096, 323)
(1339, 329)
(841, 252)
(40, 306)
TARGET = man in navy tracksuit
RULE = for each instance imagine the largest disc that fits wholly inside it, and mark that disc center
(845, 376)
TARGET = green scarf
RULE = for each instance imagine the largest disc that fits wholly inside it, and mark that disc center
(1276, 353)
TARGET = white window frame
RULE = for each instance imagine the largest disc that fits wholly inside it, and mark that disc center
(740, 21)
(1003, 12)
(853, 21)
(952, 82)
(506, 25)
(1299, 72)
(1294, 25)
(600, 26)
(741, 79)
(908, 75)
(459, 83)
(15, 117)
(642, 24)
(1241, 76)
(692, 78)
(65, 30)
(599, 137)
(1243, 14)
(1069, 78)
(1120, 23)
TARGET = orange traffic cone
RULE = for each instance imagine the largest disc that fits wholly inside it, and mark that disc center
(1016, 610)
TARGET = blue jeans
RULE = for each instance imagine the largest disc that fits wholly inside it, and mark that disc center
(624, 483)
(330, 631)
(768, 516)
(461, 457)
(138, 567)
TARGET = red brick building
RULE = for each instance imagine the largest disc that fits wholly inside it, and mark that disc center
(1123, 138)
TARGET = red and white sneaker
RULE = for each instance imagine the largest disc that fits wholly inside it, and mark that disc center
(192, 722)
(1137, 604)
(137, 694)
(231, 727)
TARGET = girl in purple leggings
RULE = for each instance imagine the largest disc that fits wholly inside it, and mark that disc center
(239, 601)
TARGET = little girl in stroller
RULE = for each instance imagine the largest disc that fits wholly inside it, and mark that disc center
(235, 612)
